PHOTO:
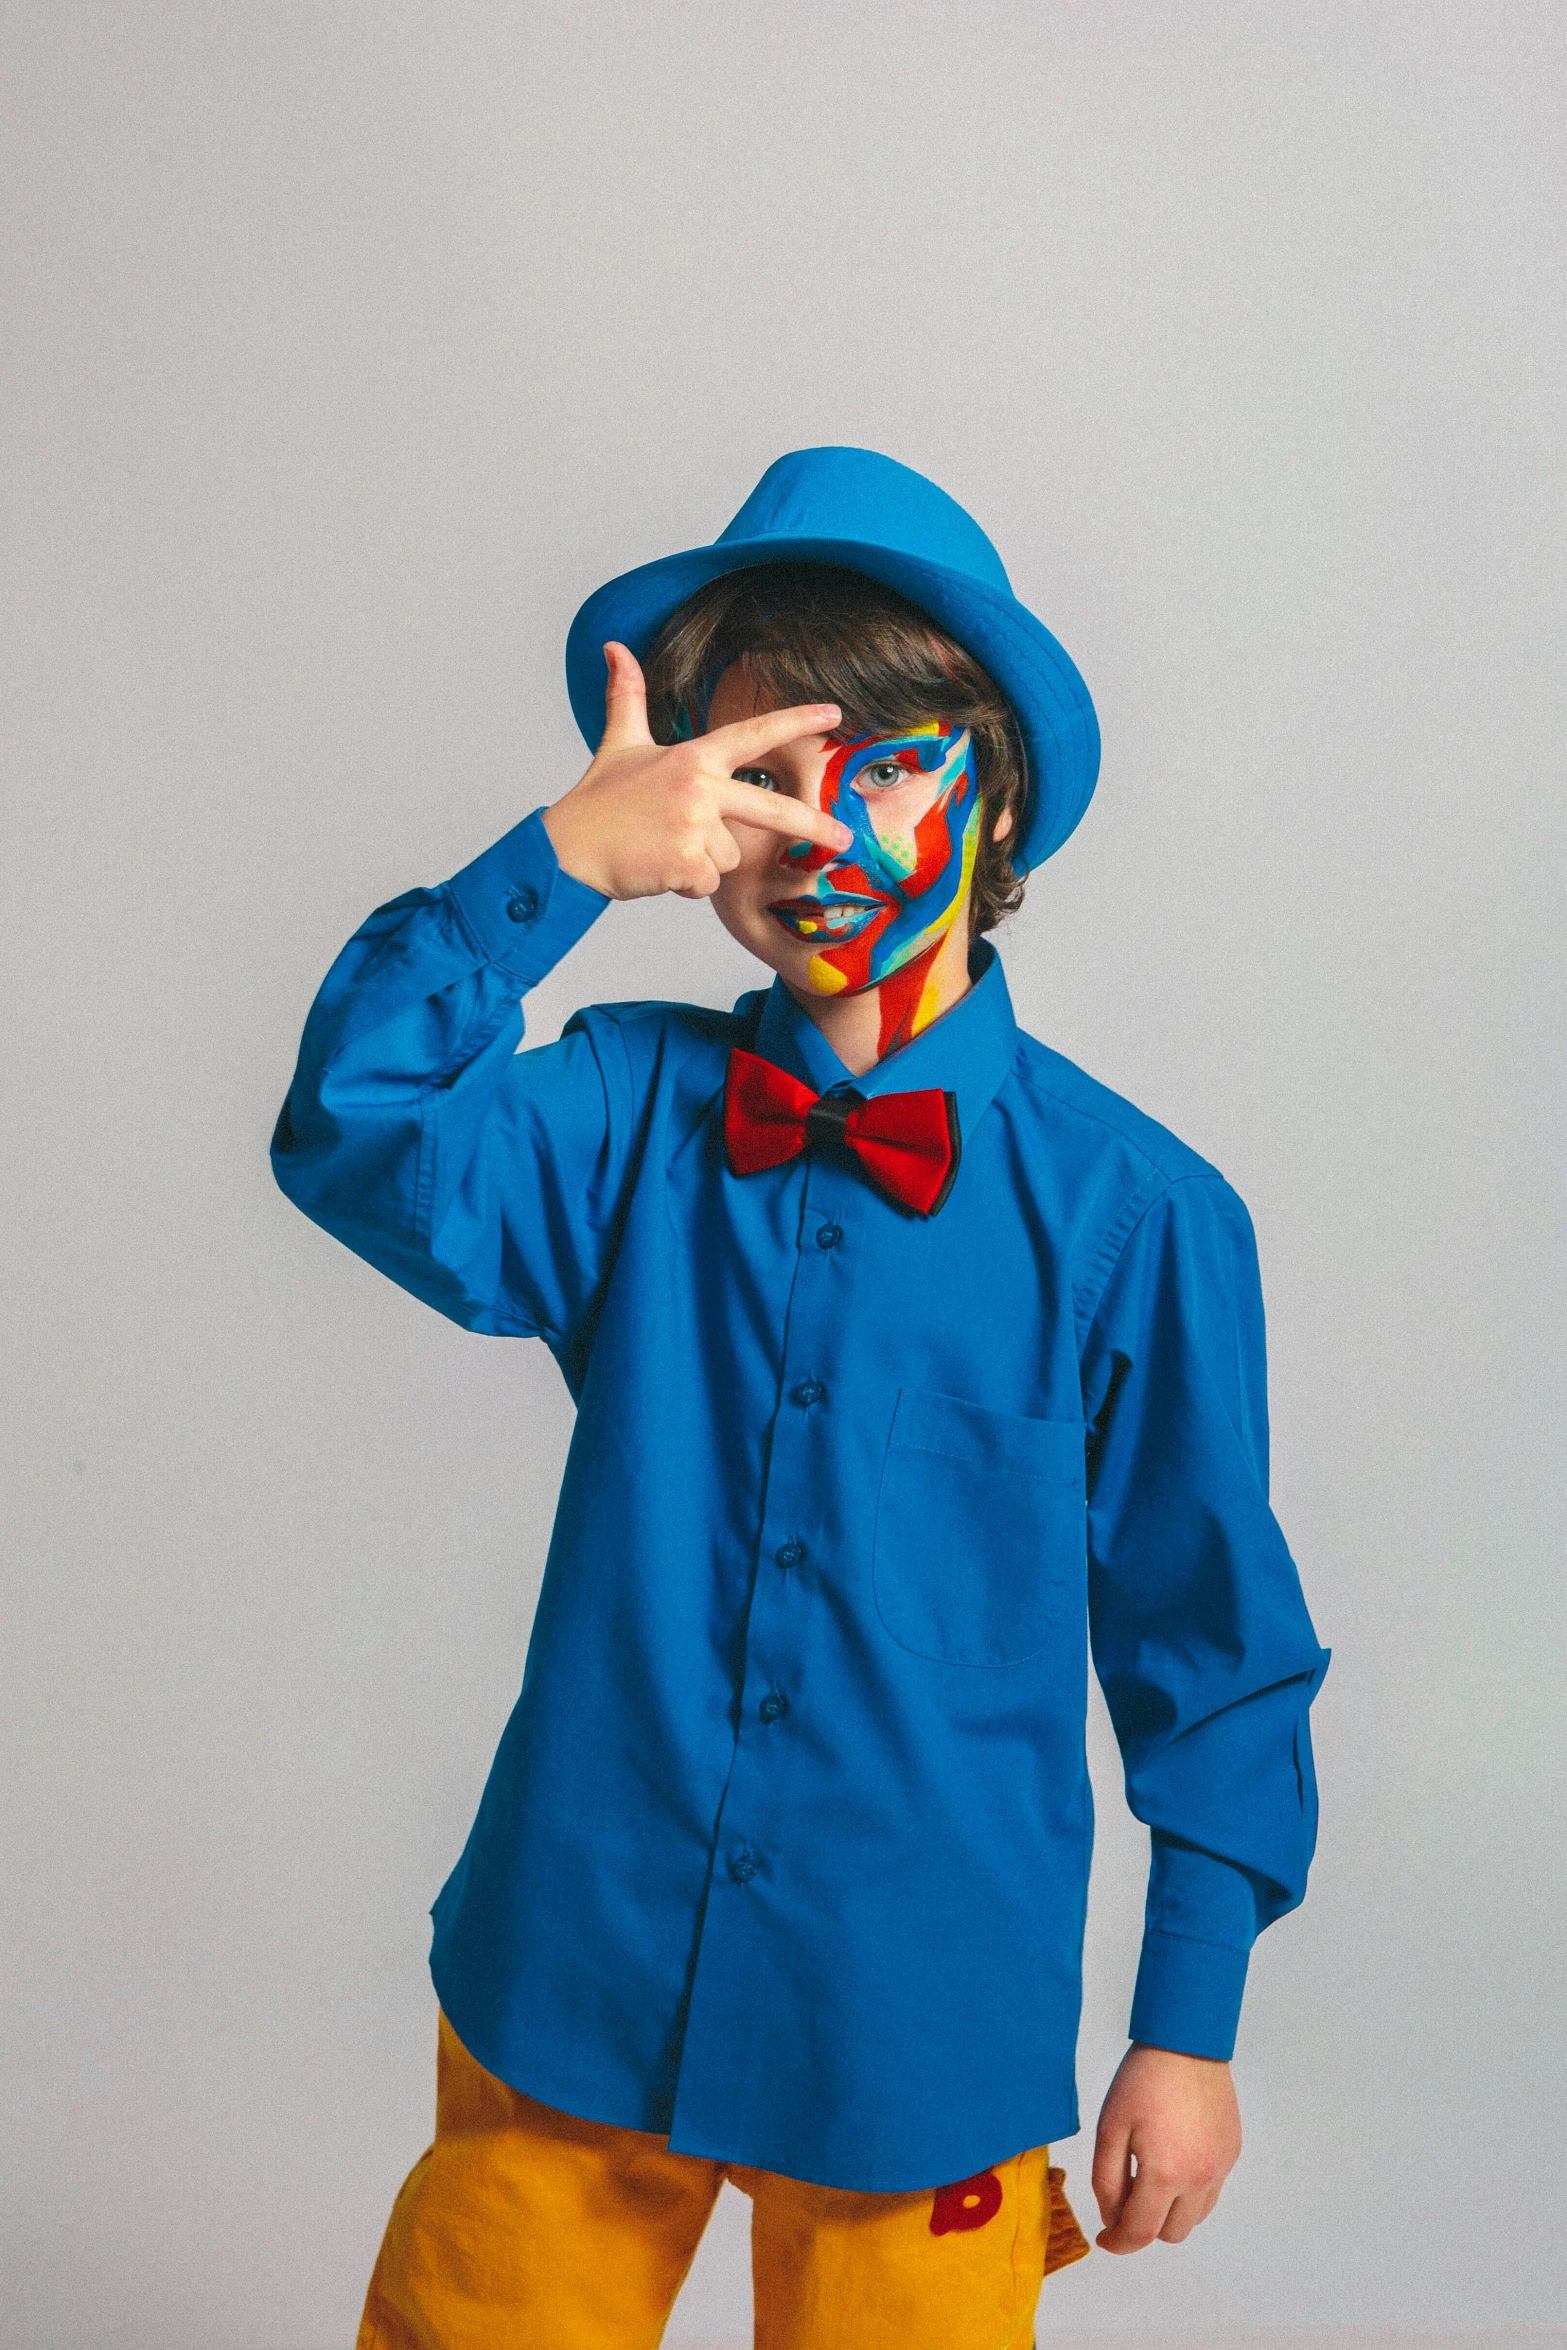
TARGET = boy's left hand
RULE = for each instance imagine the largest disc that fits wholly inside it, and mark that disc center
(1178, 2115)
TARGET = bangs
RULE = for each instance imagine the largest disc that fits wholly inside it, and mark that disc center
(809, 632)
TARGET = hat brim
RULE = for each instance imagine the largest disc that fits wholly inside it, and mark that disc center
(1038, 676)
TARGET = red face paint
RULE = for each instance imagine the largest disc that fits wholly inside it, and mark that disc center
(877, 914)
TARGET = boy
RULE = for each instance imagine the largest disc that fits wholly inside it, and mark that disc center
(908, 1361)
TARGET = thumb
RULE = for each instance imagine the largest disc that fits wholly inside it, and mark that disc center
(1112, 2169)
(625, 700)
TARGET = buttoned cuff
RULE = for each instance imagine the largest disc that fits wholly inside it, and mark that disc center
(523, 910)
(1188, 1995)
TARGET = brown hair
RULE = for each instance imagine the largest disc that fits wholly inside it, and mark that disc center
(812, 632)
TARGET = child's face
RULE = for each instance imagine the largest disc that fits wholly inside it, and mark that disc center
(838, 921)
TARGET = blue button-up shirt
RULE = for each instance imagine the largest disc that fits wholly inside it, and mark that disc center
(785, 1849)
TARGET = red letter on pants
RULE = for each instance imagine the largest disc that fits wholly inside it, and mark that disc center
(967, 2205)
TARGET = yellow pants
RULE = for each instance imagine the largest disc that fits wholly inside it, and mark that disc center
(522, 2228)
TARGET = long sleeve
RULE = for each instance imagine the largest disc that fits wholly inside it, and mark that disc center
(483, 1179)
(1200, 1633)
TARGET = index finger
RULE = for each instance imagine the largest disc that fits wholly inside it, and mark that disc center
(1143, 2213)
(777, 811)
(747, 739)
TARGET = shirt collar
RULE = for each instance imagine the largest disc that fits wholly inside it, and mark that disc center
(967, 1051)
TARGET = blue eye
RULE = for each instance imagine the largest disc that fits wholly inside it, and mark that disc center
(757, 775)
(882, 774)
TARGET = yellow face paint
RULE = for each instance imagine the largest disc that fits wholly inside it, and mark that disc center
(883, 907)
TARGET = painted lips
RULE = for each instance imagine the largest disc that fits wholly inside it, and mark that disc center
(826, 920)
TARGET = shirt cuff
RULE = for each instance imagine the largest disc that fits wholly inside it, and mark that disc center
(1188, 1995)
(522, 908)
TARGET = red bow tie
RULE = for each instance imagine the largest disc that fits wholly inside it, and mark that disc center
(907, 1143)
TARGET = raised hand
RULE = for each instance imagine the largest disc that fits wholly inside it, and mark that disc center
(650, 817)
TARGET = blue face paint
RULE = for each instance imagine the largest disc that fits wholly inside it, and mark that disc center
(885, 905)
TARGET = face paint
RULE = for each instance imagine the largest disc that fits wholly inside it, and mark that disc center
(878, 913)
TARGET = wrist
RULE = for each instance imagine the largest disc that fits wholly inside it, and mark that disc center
(573, 846)
(1214, 2064)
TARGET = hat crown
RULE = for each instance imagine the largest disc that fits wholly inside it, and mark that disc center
(868, 513)
(859, 495)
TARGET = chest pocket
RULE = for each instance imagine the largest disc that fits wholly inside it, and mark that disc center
(979, 1553)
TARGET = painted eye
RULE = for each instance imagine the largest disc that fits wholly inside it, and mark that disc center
(881, 774)
(757, 775)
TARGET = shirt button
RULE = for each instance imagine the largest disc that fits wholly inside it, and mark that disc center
(523, 905)
(808, 1392)
(773, 1706)
(789, 1554)
(742, 1868)
(829, 1235)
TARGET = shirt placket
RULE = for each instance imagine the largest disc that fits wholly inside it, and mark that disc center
(750, 1892)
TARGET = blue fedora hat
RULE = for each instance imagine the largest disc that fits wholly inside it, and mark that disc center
(868, 513)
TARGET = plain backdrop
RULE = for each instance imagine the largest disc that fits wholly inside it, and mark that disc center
(347, 347)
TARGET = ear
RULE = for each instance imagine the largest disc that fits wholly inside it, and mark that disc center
(1003, 825)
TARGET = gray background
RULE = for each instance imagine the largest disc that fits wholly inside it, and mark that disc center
(347, 348)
